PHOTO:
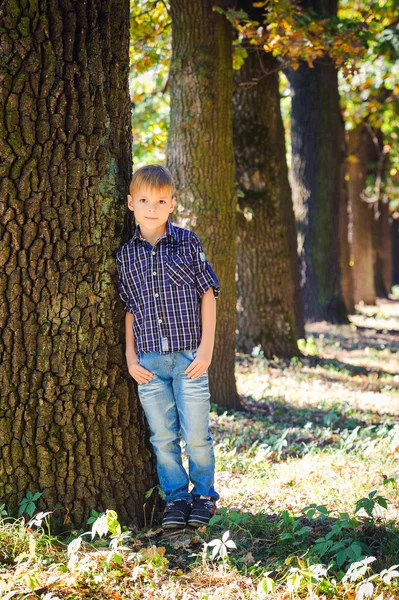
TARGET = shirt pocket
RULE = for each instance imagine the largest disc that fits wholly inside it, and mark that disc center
(179, 270)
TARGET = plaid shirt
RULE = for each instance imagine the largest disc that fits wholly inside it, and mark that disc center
(162, 286)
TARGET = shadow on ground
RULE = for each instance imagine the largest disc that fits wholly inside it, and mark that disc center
(290, 431)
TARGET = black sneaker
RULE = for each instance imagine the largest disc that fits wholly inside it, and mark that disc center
(202, 510)
(176, 514)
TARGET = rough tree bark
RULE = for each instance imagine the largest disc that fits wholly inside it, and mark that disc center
(70, 425)
(200, 156)
(317, 136)
(266, 315)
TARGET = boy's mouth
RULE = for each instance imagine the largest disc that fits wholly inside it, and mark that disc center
(152, 218)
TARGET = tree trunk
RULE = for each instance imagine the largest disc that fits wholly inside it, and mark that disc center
(344, 244)
(200, 156)
(381, 226)
(317, 154)
(382, 251)
(266, 315)
(362, 216)
(395, 251)
(70, 425)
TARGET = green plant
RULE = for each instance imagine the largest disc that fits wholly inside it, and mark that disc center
(28, 504)
(307, 346)
(266, 586)
(94, 515)
(104, 524)
(338, 544)
(294, 532)
(310, 576)
(368, 504)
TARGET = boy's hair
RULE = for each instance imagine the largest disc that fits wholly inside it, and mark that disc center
(152, 176)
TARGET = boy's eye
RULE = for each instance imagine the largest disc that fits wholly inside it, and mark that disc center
(162, 201)
(142, 200)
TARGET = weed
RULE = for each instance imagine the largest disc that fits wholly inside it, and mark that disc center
(28, 504)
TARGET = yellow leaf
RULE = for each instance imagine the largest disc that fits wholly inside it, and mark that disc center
(153, 551)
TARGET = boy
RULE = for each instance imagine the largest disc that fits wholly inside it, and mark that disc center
(169, 291)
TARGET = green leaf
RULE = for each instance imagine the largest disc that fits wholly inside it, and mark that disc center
(382, 501)
(113, 523)
(117, 558)
(341, 557)
(30, 509)
(215, 519)
(266, 586)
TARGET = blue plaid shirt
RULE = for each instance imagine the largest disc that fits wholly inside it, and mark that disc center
(162, 286)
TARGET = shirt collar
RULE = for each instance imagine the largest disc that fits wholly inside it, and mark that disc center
(170, 231)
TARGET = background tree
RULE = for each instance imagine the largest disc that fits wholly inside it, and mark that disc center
(317, 153)
(200, 155)
(295, 37)
(360, 151)
(371, 111)
(70, 423)
(266, 315)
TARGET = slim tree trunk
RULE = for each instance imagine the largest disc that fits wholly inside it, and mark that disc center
(344, 243)
(382, 245)
(200, 156)
(317, 154)
(70, 425)
(266, 316)
(362, 216)
(395, 251)
(382, 250)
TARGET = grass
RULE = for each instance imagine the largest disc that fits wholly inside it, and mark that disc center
(308, 473)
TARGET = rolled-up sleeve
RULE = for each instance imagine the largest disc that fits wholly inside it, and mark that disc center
(205, 276)
(123, 293)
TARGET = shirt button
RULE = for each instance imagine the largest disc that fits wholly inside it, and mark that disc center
(154, 273)
(153, 253)
(156, 295)
(159, 320)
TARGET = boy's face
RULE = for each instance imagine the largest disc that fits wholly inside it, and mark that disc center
(151, 206)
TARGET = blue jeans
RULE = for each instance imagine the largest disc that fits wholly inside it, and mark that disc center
(174, 403)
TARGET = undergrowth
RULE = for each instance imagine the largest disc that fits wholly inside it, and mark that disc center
(308, 473)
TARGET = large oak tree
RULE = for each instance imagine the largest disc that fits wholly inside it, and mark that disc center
(70, 424)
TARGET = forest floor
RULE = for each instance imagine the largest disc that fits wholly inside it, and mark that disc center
(308, 474)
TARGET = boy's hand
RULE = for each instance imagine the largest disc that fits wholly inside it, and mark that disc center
(139, 373)
(200, 363)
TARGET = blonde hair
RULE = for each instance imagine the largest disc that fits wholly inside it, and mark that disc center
(152, 176)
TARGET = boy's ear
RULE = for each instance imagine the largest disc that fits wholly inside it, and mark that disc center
(173, 204)
(130, 202)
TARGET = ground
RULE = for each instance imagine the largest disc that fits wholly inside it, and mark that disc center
(308, 477)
